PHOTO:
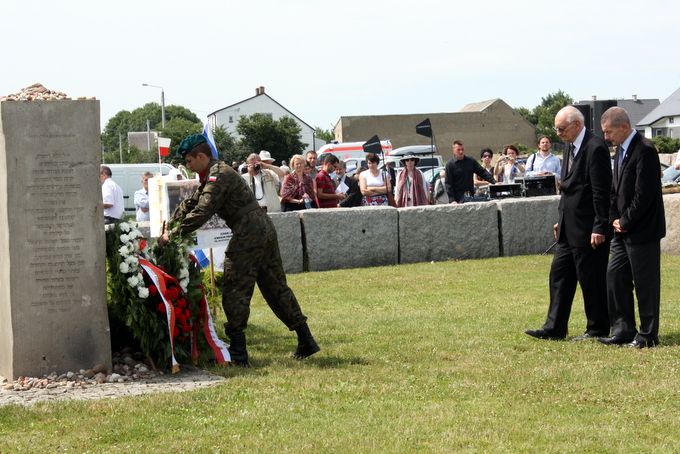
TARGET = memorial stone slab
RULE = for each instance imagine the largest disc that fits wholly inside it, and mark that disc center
(53, 314)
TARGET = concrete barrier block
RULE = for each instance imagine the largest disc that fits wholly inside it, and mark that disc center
(444, 232)
(340, 238)
(670, 243)
(526, 224)
(289, 233)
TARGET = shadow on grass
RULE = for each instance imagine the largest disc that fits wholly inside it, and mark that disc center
(669, 339)
(268, 347)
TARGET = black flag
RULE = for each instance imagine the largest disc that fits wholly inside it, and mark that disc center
(373, 145)
(424, 128)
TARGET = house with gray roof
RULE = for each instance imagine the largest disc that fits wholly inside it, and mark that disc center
(664, 120)
(265, 105)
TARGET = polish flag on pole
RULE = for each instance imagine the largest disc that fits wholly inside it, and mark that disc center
(163, 146)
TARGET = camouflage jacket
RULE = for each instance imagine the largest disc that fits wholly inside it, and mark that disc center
(225, 193)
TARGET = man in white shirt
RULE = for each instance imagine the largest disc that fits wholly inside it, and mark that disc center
(112, 196)
(544, 162)
(142, 199)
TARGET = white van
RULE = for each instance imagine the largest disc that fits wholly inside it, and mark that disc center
(129, 178)
(347, 150)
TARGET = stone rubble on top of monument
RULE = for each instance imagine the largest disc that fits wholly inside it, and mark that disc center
(37, 92)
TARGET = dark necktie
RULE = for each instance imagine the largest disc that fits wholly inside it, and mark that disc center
(571, 156)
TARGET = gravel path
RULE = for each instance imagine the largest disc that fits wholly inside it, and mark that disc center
(188, 378)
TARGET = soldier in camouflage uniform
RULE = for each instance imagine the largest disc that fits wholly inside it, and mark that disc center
(253, 252)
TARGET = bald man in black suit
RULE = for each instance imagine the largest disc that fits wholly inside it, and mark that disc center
(583, 232)
(638, 217)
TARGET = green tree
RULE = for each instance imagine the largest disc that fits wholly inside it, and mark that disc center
(666, 144)
(326, 135)
(281, 137)
(228, 149)
(543, 115)
(115, 132)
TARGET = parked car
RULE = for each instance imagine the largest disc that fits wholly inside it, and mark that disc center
(425, 163)
(129, 178)
(415, 149)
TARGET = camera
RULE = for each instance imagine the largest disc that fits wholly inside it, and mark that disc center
(256, 167)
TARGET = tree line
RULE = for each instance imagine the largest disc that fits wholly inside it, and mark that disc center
(257, 132)
(280, 137)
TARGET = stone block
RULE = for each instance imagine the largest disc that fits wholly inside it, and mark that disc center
(341, 238)
(289, 232)
(446, 232)
(526, 225)
(670, 244)
(53, 314)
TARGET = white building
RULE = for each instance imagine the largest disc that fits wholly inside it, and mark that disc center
(265, 105)
(664, 120)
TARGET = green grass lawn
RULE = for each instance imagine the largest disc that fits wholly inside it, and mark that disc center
(415, 358)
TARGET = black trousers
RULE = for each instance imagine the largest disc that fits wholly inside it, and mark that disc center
(635, 267)
(587, 267)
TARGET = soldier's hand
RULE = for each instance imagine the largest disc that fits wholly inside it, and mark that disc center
(163, 239)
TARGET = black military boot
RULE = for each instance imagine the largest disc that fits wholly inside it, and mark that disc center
(307, 346)
(237, 349)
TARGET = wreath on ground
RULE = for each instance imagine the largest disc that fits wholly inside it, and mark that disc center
(156, 296)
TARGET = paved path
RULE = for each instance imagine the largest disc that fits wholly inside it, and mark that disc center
(188, 378)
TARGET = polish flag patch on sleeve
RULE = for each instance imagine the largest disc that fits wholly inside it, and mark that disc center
(212, 178)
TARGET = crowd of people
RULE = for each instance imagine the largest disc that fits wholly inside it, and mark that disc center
(610, 224)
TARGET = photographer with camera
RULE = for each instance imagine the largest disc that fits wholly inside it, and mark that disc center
(508, 167)
(263, 179)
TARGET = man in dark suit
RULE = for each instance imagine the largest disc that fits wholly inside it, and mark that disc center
(353, 192)
(637, 215)
(582, 232)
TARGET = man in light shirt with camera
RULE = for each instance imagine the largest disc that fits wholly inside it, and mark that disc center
(263, 179)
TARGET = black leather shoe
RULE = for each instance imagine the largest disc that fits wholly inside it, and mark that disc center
(542, 334)
(614, 340)
(640, 344)
(584, 336)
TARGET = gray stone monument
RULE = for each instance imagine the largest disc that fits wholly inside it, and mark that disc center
(53, 315)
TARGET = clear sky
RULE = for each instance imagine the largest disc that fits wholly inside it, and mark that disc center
(325, 59)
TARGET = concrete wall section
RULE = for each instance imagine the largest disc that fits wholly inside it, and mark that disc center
(526, 224)
(671, 243)
(445, 232)
(342, 238)
(289, 232)
(53, 277)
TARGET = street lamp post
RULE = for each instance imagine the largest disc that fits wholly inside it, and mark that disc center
(162, 102)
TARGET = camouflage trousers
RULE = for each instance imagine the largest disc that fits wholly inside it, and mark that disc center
(260, 264)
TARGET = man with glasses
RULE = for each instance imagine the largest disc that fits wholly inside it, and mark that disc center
(353, 193)
(582, 231)
(459, 171)
(325, 189)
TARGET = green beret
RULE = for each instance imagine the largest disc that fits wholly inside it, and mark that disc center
(188, 144)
